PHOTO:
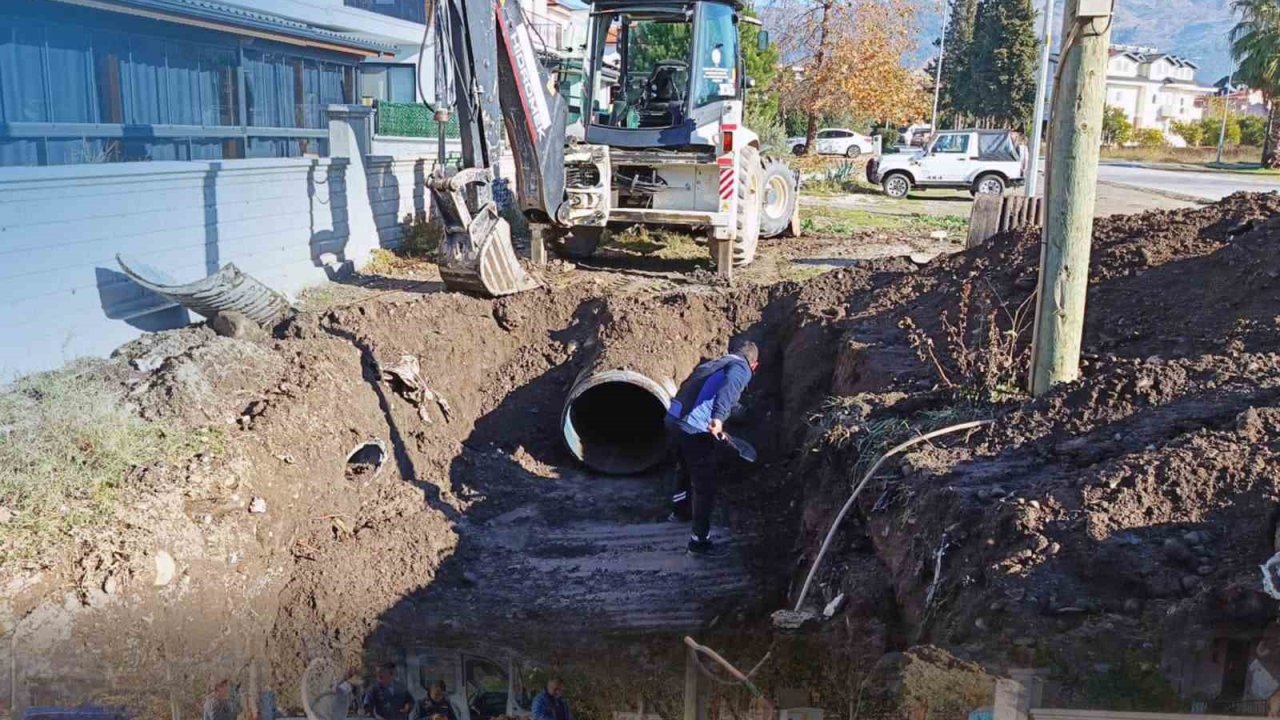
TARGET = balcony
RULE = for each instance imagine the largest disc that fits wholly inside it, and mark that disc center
(411, 10)
(1172, 112)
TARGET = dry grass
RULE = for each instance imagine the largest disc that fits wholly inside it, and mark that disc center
(70, 448)
(1193, 155)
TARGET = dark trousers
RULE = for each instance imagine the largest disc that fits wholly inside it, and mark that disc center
(698, 476)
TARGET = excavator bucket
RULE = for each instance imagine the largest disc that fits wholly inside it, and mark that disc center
(476, 255)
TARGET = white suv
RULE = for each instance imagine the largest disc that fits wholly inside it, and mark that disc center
(984, 162)
(835, 141)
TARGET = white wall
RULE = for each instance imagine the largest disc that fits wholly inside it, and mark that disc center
(279, 220)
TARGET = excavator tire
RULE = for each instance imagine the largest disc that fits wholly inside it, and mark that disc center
(749, 195)
(779, 199)
(580, 243)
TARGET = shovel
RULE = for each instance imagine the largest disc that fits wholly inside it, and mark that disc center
(742, 447)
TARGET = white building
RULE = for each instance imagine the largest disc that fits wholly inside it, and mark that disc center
(1154, 89)
(278, 135)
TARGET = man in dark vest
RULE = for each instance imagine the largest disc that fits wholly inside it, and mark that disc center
(550, 703)
(696, 417)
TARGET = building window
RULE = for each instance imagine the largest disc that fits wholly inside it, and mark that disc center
(411, 10)
(84, 86)
(388, 83)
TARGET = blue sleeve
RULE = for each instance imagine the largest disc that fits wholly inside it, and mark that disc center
(736, 378)
(540, 709)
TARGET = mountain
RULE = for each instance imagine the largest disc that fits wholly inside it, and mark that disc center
(1195, 29)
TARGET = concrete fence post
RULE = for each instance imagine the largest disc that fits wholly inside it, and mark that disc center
(350, 140)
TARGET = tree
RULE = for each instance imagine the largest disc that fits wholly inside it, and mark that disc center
(1255, 44)
(1116, 128)
(1191, 131)
(1002, 62)
(761, 112)
(955, 98)
(851, 52)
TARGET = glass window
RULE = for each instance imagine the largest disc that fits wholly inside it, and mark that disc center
(958, 144)
(21, 78)
(651, 89)
(389, 83)
(717, 55)
(99, 70)
(825, 134)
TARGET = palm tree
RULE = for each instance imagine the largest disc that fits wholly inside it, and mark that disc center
(1255, 44)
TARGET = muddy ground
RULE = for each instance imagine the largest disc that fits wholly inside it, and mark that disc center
(1108, 530)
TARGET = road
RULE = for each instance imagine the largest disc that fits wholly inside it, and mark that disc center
(1209, 186)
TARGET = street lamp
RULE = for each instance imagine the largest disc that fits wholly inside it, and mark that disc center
(937, 75)
(1042, 90)
(1226, 103)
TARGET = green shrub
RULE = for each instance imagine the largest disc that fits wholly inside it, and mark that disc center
(419, 236)
(1253, 130)
(1150, 138)
(1192, 132)
(1116, 127)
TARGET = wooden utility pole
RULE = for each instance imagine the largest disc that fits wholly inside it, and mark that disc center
(1076, 132)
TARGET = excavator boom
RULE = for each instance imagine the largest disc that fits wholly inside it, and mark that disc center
(488, 70)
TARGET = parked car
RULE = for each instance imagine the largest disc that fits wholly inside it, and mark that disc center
(835, 141)
(981, 161)
(915, 135)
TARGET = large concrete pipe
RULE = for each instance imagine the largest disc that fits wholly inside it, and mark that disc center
(613, 419)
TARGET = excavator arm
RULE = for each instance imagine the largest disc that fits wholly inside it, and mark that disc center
(488, 71)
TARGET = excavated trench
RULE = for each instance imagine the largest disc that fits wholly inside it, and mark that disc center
(514, 494)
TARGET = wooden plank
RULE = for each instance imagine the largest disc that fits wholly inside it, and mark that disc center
(984, 220)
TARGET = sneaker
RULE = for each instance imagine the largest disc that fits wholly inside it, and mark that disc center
(704, 548)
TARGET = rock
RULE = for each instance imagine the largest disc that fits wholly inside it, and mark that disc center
(236, 325)
(257, 506)
(790, 619)
(1035, 504)
(938, 234)
(834, 606)
(1176, 550)
(1054, 548)
(1190, 582)
(165, 569)
(110, 585)
(6, 515)
(980, 624)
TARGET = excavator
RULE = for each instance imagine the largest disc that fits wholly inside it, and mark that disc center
(660, 141)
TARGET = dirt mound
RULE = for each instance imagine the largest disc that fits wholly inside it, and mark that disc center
(1115, 525)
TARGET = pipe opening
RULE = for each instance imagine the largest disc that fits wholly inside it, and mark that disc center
(615, 424)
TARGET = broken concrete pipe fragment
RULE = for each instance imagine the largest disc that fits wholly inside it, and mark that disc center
(613, 418)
